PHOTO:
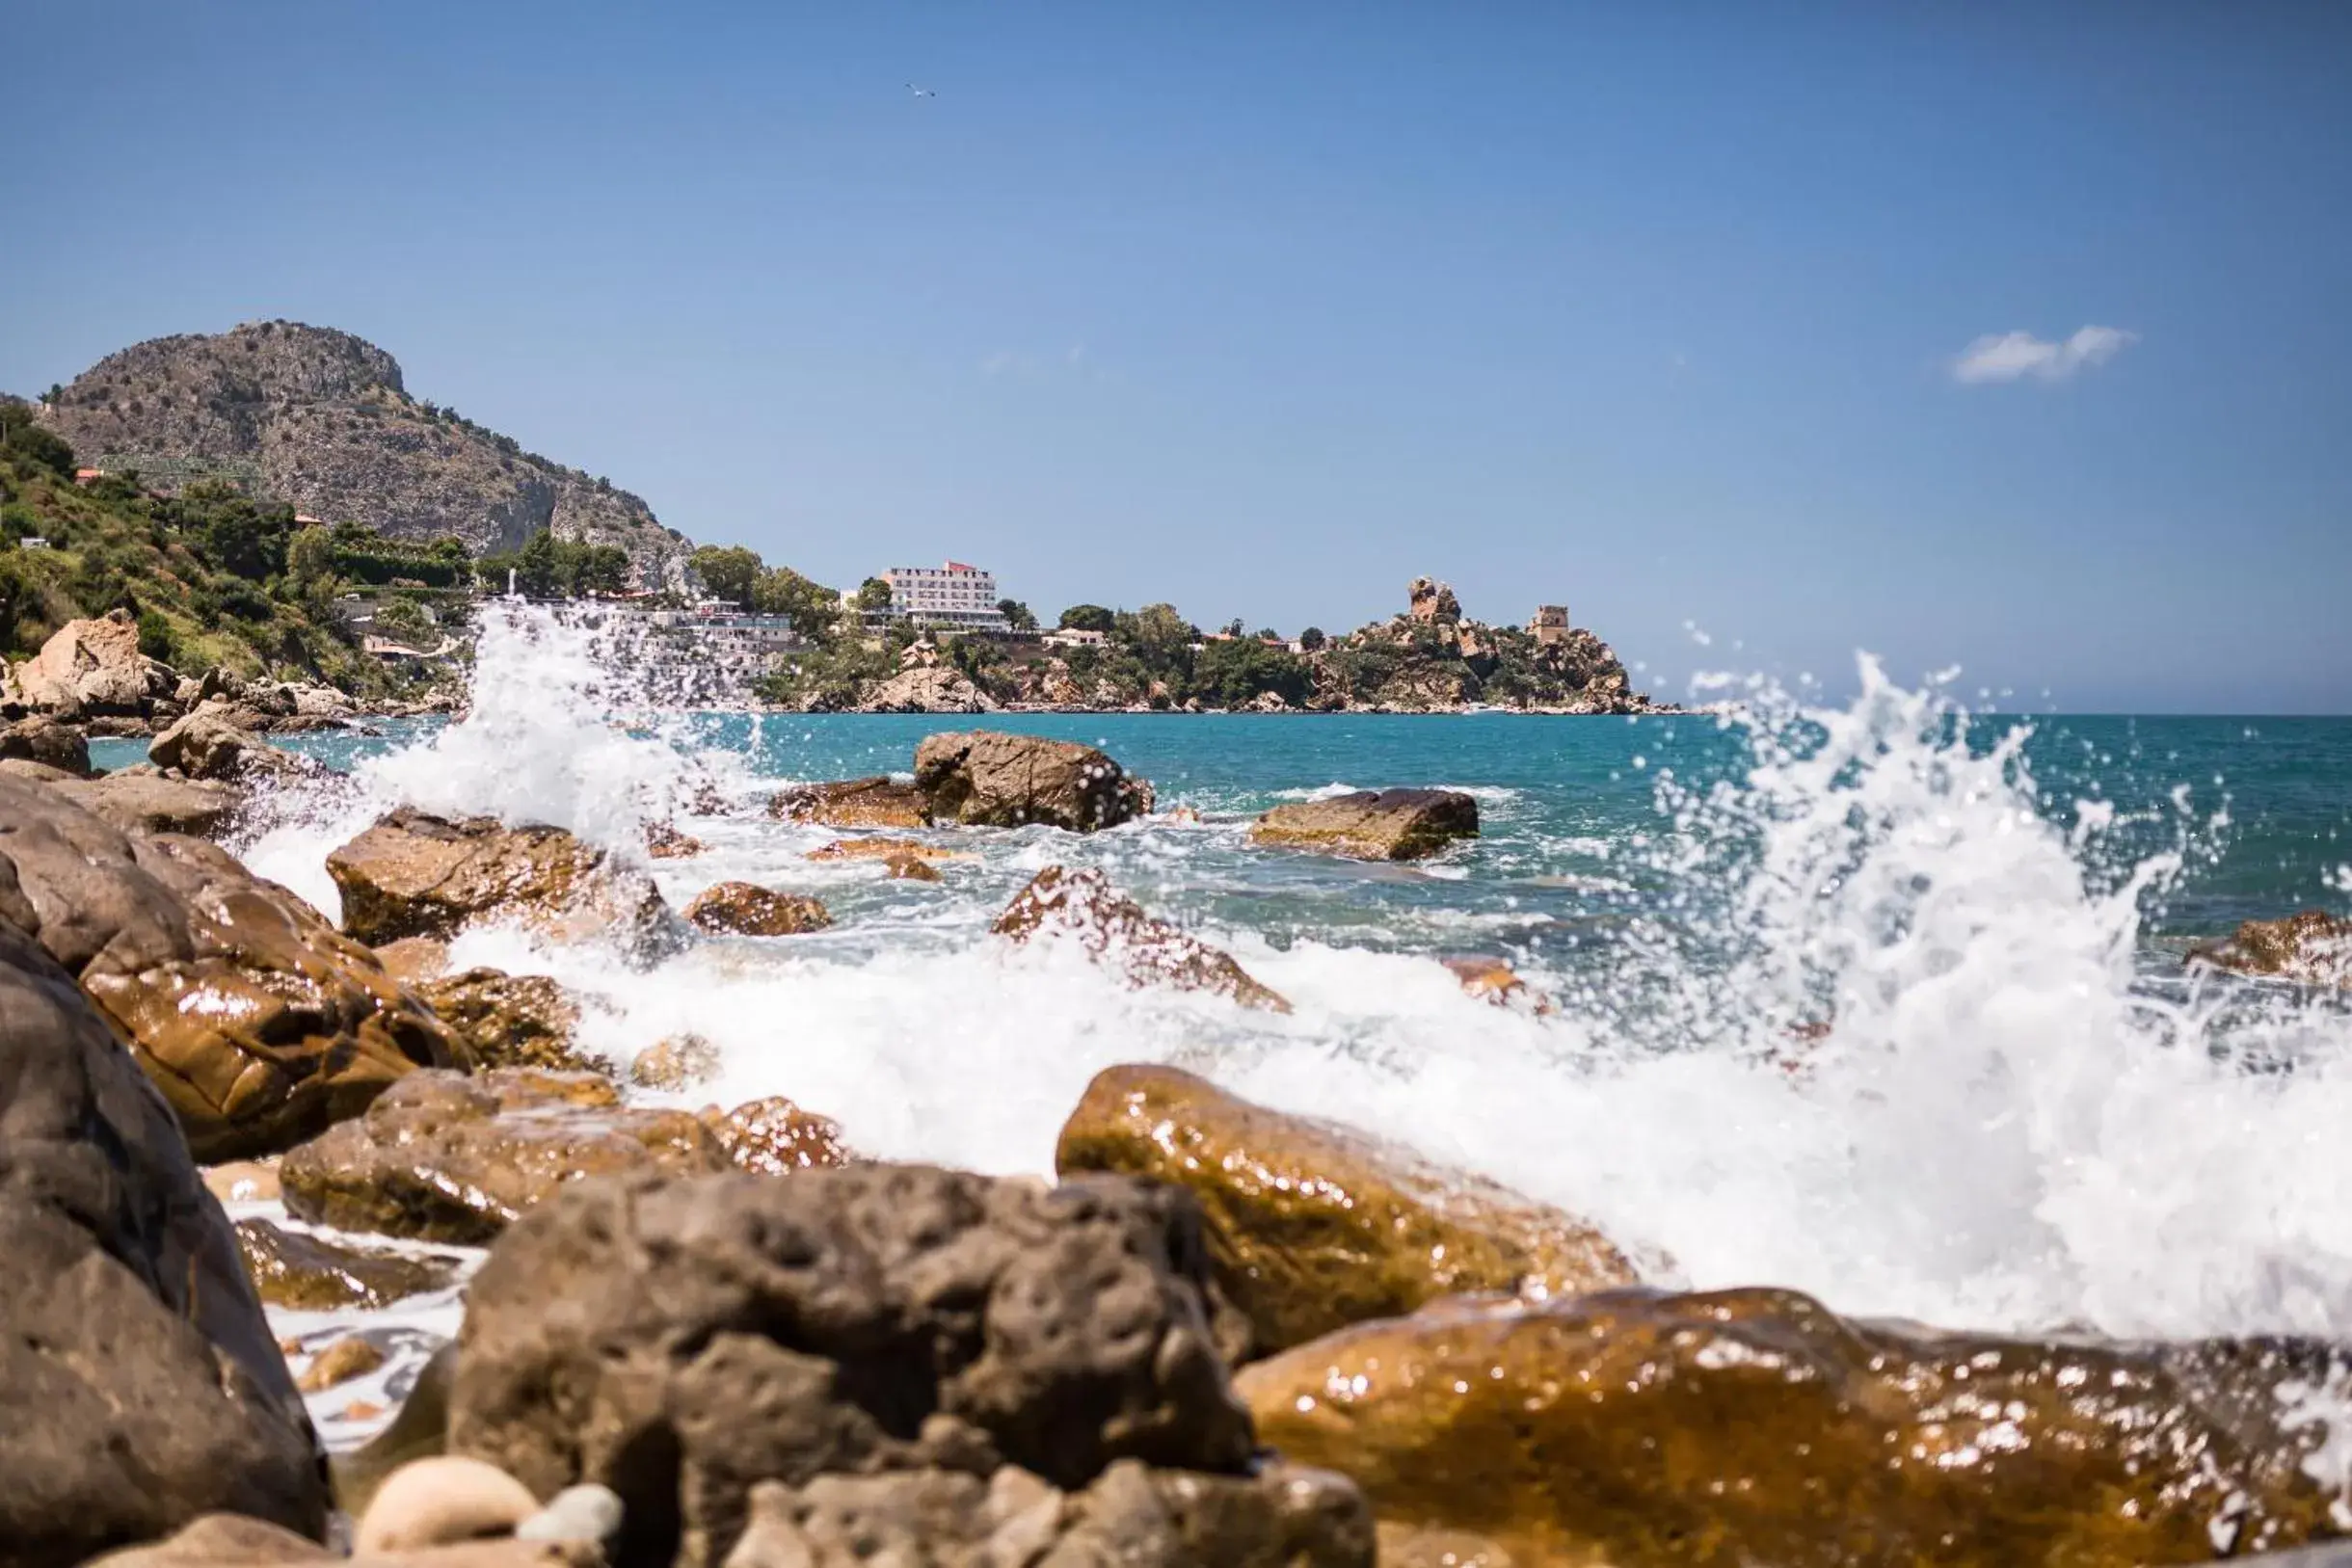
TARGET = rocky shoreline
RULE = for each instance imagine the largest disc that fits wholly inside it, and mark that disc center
(1226, 1337)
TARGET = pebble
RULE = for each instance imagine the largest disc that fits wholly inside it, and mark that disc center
(347, 1358)
(441, 1501)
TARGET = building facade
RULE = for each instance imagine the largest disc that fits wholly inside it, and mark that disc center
(1549, 625)
(955, 596)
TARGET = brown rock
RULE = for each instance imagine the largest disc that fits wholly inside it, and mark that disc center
(882, 849)
(1372, 825)
(745, 909)
(664, 842)
(510, 1020)
(452, 1159)
(910, 868)
(95, 667)
(417, 875)
(1114, 931)
(988, 778)
(347, 1358)
(1642, 1429)
(243, 1180)
(140, 1386)
(2312, 949)
(721, 1332)
(227, 1541)
(209, 744)
(854, 803)
(1492, 981)
(773, 1136)
(1312, 1226)
(415, 959)
(308, 1273)
(260, 1023)
(441, 1501)
(678, 1061)
(147, 803)
(47, 742)
(934, 690)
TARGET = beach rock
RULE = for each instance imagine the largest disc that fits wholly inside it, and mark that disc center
(308, 1273)
(910, 868)
(1312, 1226)
(414, 874)
(720, 1331)
(95, 668)
(774, 1137)
(1491, 980)
(47, 742)
(745, 909)
(1372, 825)
(1132, 1516)
(140, 1386)
(31, 772)
(441, 1501)
(445, 1158)
(227, 1541)
(1114, 931)
(510, 1020)
(985, 778)
(347, 1358)
(878, 802)
(260, 1022)
(676, 1061)
(209, 744)
(934, 690)
(2312, 949)
(242, 1181)
(881, 849)
(1641, 1429)
(413, 961)
(149, 802)
(664, 842)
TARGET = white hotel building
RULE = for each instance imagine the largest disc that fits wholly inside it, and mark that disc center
(953, 596)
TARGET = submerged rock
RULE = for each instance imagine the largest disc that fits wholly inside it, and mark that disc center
(1312, 1226)
(2312, 949)
(1116, 931)
(745, 909)
(310, 1273)
(260, 1023)
(347, 1358)
(676, 1061)
(510, 1020)
(910, 868)
(140, 1386)
(664, 842)
(988, 778)
(878, 802)
(445, 1158)
(1642, 1429)
(1372, 825)
(414, 874)
(881, 849)
(717, 1333)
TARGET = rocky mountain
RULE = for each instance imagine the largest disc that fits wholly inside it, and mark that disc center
(324, 420)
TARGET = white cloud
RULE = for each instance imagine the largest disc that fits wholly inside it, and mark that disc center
(2014, 355)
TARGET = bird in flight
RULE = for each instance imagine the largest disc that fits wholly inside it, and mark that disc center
(921, 91)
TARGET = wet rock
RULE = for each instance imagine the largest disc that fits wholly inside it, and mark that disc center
(413, 960)
(1491, 980)
(678, 1061)
(243, 1180)
(878, 802)
(1372, 825)
(148, 802)
(910, 868)
(720, 1331)
(1312, 1226)
(1114, 930)
(47, 742)
(95, 667)
(664, 842)
(308, 1273)
(1132, 1517)
(445, 1158)
(260, 1022)
(209, 744)
(140, 1386)
(2312, 949)
(745, 909)
(988, 778)
(774, 1137)
(510, 1020)
(881, 849)
(441, 1501)
(1641, 1429)
(227, 1541)
(347, 1358)
(414, 874)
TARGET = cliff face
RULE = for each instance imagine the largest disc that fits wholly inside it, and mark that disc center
(322, 420)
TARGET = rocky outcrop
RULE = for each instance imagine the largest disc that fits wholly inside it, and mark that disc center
(509, 1020)
(878, 802)
(146, 802)
(745, 909)
(47, 742)
(881, 849)
(664, 842)
(141, 1384)
(1431, 603)
(988, 778)
(1371, 825)
(321, 420)
(209, 744)
(1311, 1226)
(773, 1136)
(1644, 1430)
(2312, 949)
(1116, 932)
(90, 669)
(446, 1158)
(721, 1333)
(308, 1273)
(935, 690)
(415, 874)
(260, 1022)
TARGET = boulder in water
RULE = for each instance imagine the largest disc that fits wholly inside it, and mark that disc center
(745, 909)
(1643, 1429)
(985, 778)
(347, 1358)
(140, 1382)
(878, 802)
(415, 874)
(1312, 1226)
(310, 1273)
(774, 1137)
(1373, 824)
(510, 1020)
(47, 742)
(664, 842)
(2312, 949)
(209, 744)
(1114, 931)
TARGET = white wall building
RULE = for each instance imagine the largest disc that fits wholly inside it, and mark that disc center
(955, 594)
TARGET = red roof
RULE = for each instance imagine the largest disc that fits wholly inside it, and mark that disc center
(958, 566)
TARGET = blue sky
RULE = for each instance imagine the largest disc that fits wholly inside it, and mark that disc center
(1658, 310)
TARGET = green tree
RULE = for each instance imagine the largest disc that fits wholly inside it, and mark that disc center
(155, 639)
(1086, 618)
(310, 555)
(873, 594)
(1231, 674)
(25, 441)
(729, 571)
(812, 608)
(1017, 615)
(1312, 639)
